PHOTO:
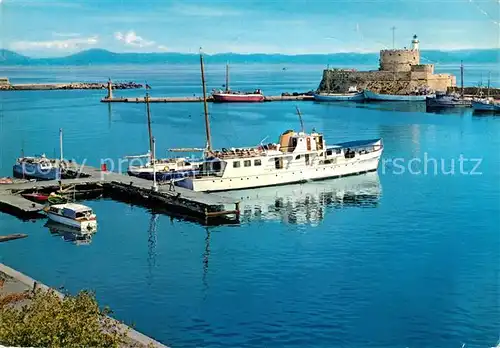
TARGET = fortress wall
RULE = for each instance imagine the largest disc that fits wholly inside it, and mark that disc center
(428, 68)
(403, 82)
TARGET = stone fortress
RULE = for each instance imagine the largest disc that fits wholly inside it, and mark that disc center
(400, 72)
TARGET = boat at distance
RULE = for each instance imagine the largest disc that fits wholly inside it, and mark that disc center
(486, 105)
(229, 96)
(337, 97)
(77, 216)
(369, 95)
(445, 101)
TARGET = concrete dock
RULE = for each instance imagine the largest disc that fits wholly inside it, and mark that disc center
(207, 207)
(198, 99)
(14, 282)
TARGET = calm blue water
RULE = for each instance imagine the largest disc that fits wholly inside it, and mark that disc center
(384, 260)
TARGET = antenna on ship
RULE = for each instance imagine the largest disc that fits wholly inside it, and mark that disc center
(300, 118)
(205, 106)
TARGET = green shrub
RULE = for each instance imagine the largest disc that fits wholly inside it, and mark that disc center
(43, 319)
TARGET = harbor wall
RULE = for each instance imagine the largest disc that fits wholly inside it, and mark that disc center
(387, 82)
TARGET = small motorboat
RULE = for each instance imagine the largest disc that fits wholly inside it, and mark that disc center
(36, 197)
(77, 216)
(420, 96)
(337, 97)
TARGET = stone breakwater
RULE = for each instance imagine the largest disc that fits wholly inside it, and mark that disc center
(69, 85)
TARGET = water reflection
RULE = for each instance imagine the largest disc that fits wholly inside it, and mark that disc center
(403, 106)
(307, 203)
(152, 241)
(68, 234)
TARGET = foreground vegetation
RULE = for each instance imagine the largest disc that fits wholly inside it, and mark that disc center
(44, 319)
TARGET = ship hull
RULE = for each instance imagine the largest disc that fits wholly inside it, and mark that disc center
(359, 165)
(163, 176)
(339, 97)
(369, 95)
(32, 171)
(442, 103)
(237, 98)
(82, 226)
(483, 107)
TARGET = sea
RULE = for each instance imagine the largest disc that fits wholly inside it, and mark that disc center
(408, 256)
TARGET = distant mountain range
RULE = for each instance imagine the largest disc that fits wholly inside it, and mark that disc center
(103, 57)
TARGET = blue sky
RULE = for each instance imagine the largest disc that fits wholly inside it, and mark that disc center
(59, 27)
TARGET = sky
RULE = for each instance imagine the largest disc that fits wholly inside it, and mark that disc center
(46, 28)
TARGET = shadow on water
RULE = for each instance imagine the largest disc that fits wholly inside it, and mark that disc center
(305, 204)
(403, 106)
(450, 111)
(68, 234)
(152, 241)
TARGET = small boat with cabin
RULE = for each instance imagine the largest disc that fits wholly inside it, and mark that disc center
(447, 101)
(37, 167)
(77, 216)
(487, 105)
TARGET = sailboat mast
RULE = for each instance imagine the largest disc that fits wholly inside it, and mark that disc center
(489, 81)
(205, 106)
(227, 77)
(462, 77)
(300, 118)
(152, 155)
(61, 144)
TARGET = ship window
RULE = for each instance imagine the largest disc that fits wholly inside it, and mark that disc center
(257, 162)
(236, 164)
(328, 152)
(307, 159)
(298, 157)
(216, 166)
(338, 151)
(247, 163)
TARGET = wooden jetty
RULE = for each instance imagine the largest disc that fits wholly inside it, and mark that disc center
(208, 207)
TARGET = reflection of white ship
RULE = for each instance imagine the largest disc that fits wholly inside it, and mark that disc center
(306, 203)
(68, 234)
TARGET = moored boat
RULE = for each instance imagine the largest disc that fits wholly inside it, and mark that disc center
(369, 95)
(232, 96)
(486, 105)
(229, 96)
(161, 169)
(445, 101)
(336, 97)
(77, 216)
(36, 197)
(297, 157)
(36, 167)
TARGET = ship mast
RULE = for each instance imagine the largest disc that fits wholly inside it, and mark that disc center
(150, 132)
(227, 77)
(300, 118)
(462, 78)
(205, 106)
(489, 81)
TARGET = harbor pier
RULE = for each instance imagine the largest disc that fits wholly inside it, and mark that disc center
(200, 99)
(208, 208)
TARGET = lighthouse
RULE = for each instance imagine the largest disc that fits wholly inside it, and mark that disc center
(414, 43)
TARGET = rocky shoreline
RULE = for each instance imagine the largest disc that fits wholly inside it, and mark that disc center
(69, 85)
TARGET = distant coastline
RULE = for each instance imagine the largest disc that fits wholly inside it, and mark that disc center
(104, 57)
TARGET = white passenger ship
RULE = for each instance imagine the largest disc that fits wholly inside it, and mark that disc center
(297, 157)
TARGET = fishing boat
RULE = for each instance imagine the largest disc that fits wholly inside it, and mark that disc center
(486, 105)
(337, 97)
(228, 96)
(40, 167)
(419, 96)
(446, 101)
(77, 216)
(443, 100)
(161, 169)
(36, 167)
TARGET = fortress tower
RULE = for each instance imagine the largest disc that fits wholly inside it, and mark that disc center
(398, 60)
